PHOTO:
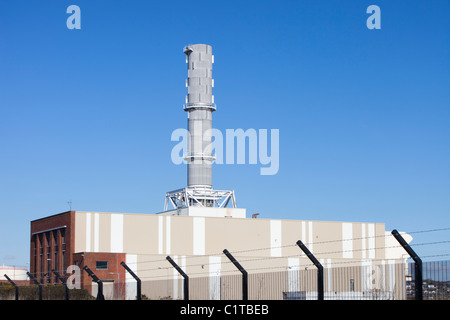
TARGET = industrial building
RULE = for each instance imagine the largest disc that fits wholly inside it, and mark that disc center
(103, 240)
(201, 224)
(14, 273)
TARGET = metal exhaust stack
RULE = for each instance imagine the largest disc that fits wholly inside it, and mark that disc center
(199, 106)
(199, 157)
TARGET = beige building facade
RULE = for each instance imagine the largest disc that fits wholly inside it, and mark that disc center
(360, 260)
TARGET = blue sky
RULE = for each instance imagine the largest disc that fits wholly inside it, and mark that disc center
(86, 115)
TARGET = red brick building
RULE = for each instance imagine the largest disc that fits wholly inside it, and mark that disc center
(52, 247)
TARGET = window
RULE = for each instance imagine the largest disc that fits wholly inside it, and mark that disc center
(34, 241)
(41, 270)
(55, 237)
(35, 255)
(49, 267)
(63, 235)
(56, 262)
(48, 238)
(56, 265)
(101, 265)
(63, 261)
(352, 285)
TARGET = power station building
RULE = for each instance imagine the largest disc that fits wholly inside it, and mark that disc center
(103, 240)
(201, 224)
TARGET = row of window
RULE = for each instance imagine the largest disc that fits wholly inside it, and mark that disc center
(53, 259)
(51, 236)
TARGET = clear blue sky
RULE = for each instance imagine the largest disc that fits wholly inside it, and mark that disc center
(364, 115)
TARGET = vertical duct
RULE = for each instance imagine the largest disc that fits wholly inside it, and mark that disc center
(199, 157)
(199, 106)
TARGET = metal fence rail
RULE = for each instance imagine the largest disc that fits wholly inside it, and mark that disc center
(343, 283)
(250, 274)
(383, 281)
(435, 280)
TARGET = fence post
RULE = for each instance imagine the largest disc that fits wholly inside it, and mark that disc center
(99, 283)
(244, 274)
(417, 264)
(16, 295)
(138, 281)
(319, 266)
(38, 283)
(185, 276)
(63, 282)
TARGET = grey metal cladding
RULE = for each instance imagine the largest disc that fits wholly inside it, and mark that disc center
(200, 107)
(199, 75)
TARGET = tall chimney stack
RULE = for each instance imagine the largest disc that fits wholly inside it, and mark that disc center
(199, 106)
(199, 157)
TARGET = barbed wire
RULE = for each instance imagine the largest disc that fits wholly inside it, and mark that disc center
(255, 259)
(239, 252)
(314, 243)
(285, 268)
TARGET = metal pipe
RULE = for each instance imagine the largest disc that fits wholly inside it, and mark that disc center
(100, 295)
(185, 276)
(417, 264)
(38, 283)
(320, 294)
(199, 106)
(243, 271)
(138, 281)
(16, 295)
